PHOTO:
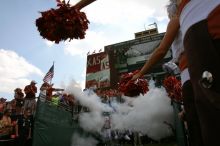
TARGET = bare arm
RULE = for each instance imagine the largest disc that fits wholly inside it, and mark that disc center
(81, 4)
(160, 52)
(16, 130)
(29, 134)
(58, 89)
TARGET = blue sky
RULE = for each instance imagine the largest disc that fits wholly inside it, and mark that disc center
(26, 56)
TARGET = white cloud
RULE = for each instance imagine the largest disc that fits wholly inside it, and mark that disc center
(113, 21)
(93, 41)
(49, 43)
(115, 11)
(14, 71)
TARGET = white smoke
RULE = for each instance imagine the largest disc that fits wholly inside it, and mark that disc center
(146, 113)
(78, 140)
(92, 120)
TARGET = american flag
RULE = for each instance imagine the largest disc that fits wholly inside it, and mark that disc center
(48, 77)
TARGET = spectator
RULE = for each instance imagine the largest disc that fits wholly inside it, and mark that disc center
(64, 100)
(43, 91)
(30, 91)
(50, 91)
(6, 119)
(24, 128)
(71, 99)
(2, 106)
(55, 99)
(19, 97)
(7, 124)
(13, 107)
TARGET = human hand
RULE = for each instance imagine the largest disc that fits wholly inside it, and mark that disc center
(136, 76)
(29, 137)
(181, 115)
(171, 67)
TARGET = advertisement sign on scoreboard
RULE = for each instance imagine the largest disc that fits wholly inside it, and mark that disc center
(98, 70)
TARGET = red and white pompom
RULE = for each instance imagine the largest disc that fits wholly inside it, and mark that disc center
(65, 22)
(132, 88)
(173, 88)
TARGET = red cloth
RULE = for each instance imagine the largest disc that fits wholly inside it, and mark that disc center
(214, 23)
(173, 88)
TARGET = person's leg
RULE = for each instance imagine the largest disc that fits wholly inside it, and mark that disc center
(194, 129)
(203, 55)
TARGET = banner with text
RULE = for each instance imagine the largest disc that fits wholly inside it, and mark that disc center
(98, 71)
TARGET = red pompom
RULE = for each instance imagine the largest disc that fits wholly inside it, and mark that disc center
(173, 88)
(132, 88)
(65, 22)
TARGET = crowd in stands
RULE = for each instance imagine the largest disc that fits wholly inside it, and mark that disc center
(16, 123)
(17, 115)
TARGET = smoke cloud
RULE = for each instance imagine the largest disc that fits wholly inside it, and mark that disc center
(78, 140)
(146, 113)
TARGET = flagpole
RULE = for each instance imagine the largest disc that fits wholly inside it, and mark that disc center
(52, 78)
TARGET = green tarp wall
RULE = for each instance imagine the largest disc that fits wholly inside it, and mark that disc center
(53, 126)
(180, 133)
